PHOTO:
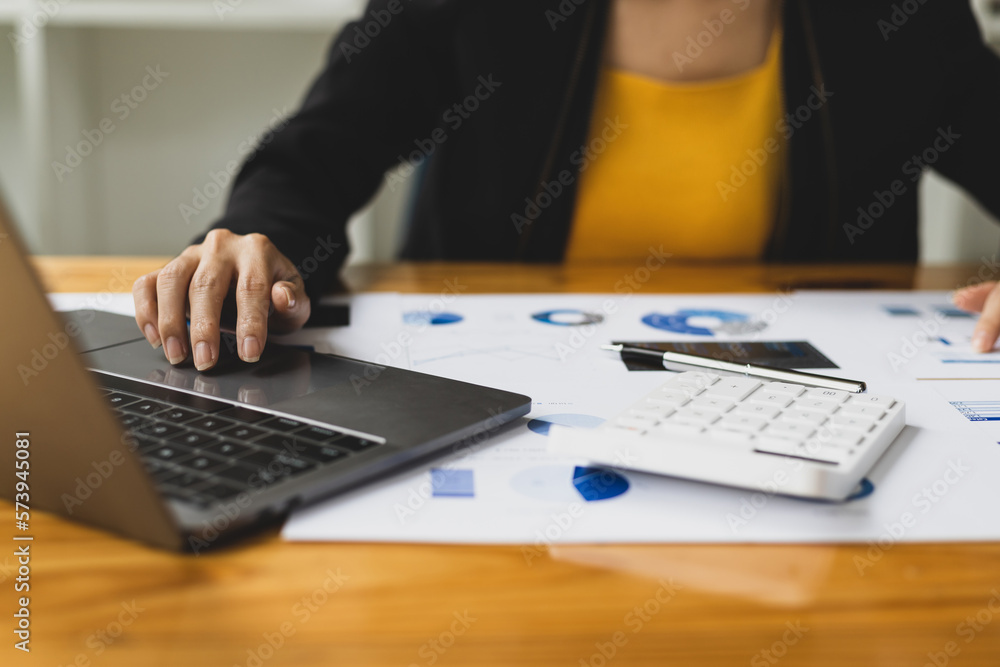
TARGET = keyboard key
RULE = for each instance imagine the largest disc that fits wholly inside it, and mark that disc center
(226, 449)
(276, 441)
(245, 415)
(183, 478)
(160, 429)
(177, 415)
(193, 439)
(218, 491)
(129, 420)
(118, 399)
(317, 434)
(211, 423)
(257, 458)
(735, 389)
(671, 396)
(296, 463)
(283, 424)
(243, 432)
(356, 444)
(168, 453)
(321, 453)
(145, 407)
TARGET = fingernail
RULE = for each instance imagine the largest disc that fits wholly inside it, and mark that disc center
(251, 349)
(290, 297)
(203, 358)
(980, 342)
(152, 336)
(174, 350)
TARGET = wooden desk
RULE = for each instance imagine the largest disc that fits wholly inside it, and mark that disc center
(398, 604)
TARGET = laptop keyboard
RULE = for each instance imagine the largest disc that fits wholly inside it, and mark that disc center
(206, 458)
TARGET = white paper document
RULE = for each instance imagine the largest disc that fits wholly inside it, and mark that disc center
(935, 483)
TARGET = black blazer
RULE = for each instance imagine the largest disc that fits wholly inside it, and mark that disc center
(493, 99)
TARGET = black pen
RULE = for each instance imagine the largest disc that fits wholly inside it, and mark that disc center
(681, 361)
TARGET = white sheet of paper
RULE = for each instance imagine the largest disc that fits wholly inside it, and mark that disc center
(934, 484)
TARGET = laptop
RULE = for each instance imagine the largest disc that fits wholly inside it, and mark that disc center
(100, 428)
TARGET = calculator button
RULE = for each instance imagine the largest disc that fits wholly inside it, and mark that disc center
(742, 422)
(850, 422)
(765, 396)
(634, 423)
(695, 381)
(758, 409)
(691, 415)
(719, 405)
(672, 396)
(833, 395)
(792, 390)
(871, 411)
(651, 412)
(677, 428)
(866, 399)
(803, 417)
(815, 405)
(735, 389)
(790, 430)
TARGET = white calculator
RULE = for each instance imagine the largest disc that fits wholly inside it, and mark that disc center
(784, 438)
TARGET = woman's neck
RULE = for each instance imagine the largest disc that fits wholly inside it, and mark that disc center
(690, 40)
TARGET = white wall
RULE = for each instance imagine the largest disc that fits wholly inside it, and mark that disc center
(224, 85)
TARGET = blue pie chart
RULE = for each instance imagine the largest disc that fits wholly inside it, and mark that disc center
(434, 319)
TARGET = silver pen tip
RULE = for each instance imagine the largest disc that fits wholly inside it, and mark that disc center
(613, 348)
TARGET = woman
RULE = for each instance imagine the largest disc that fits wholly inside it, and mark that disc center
(723, 129)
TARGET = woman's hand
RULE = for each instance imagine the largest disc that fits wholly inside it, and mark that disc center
(983, 298)
(198, 281)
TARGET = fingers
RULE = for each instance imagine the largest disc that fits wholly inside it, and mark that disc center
(171, 296)
(973, 298)
(291, 305)
(253, 298)
(987, 330)
(144, 296)
(199, 280)
(209, 286)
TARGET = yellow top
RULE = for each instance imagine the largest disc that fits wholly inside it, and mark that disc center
(694, 167)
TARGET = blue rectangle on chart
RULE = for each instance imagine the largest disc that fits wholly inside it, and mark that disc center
(950, 311)
(901, 310)
(451, 483)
